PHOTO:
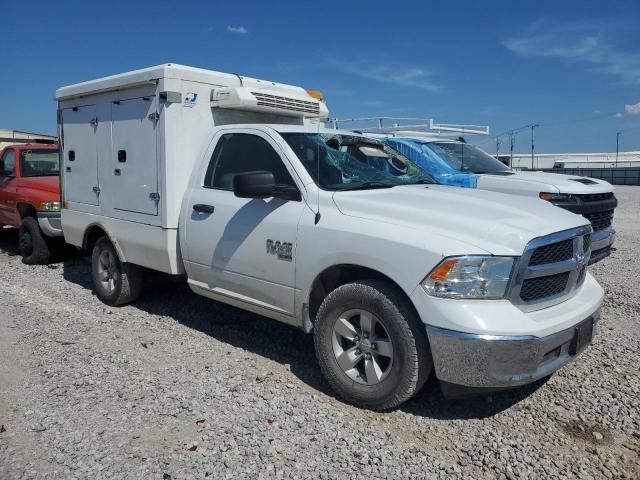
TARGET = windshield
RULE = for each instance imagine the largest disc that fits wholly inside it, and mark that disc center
(465, 158)
(347, 162)
(39, 163)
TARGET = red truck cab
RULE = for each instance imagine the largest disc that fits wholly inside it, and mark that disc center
(30, 198)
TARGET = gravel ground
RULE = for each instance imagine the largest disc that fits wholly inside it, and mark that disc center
(177, 387)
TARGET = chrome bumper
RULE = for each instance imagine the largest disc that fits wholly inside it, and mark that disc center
(50, 223)
(487, 361)
(601, 242)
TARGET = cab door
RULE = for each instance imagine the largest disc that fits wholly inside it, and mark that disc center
(237, 247)
(8, 188)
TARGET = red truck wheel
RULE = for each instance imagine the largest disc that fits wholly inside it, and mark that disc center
(33, 246)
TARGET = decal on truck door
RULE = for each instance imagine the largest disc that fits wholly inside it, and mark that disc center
(284, 250)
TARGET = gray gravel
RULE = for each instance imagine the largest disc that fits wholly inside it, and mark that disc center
(177, 386)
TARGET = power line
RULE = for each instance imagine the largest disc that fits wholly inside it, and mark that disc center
(548, 124)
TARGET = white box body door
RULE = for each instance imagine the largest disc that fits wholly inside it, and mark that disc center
(81, 182)
(134, 155)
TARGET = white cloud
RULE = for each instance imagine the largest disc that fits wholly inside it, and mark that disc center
(241, 30)
(406, 76)
(582, 42)
(633, 109)
(629, 110)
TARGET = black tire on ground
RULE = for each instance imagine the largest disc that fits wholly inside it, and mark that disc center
(115, 282)
(32, 243)
(411, 362)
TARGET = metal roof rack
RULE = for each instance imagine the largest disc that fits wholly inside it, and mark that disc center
(418, 127)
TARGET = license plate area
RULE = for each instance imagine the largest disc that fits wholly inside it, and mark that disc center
(581, 337)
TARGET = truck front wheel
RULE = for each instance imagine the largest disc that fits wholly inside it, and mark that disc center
(115, 282)
(371, 346)
(32, 244)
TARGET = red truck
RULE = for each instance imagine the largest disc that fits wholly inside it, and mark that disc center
(30, 198)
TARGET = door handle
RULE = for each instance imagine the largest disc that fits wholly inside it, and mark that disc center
(202, 208)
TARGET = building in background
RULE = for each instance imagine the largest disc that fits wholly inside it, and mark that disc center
(8, 137)
(573, 160)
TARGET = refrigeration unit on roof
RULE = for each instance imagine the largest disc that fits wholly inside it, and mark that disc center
(268, 101)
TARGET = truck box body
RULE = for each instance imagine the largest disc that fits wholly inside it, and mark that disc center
(129, 142)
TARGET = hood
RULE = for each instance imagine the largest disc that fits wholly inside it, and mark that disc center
(496, 223)
(49, 184)
(563, 183)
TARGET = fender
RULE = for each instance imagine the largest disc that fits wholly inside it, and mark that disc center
(110, 235)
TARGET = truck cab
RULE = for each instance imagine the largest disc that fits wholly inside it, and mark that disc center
(30, 198)
(454, 162)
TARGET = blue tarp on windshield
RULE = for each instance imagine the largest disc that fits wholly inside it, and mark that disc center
(431, 163)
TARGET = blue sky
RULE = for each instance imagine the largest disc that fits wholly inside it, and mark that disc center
(572, 66)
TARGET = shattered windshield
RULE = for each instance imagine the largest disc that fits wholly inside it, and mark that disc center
(465, 158)
(347, 162)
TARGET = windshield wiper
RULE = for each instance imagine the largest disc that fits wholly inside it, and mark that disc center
(363, 186)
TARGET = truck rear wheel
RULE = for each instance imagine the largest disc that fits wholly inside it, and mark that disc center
(32, 244)
(115, 282)
(371, 346)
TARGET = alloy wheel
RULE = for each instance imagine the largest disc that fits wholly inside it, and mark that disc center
(362, 346)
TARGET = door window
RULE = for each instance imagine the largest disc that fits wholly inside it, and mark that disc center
(8, 163)
(241, 152)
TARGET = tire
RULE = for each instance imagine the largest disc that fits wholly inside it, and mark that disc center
(33, 245)
(387, 379)
(115, 282)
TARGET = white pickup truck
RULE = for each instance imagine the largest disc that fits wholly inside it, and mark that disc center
(455, 162)
(232, 182)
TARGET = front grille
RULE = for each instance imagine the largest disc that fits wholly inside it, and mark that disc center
(551, 269)
(595, 197)
(599, 254)
(541, 287)
(556, 252)
(582, 275)
(599, 220)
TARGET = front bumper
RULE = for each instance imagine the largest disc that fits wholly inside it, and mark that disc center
(601, 242)
(500, 361)
(50, 223)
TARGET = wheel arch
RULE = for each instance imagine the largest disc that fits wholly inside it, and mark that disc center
(27, 210)
(337, 275)
(94, 232)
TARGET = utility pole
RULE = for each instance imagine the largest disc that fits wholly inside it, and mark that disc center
(617, 146)
(512, 141)
(533, 136)
(498, 148)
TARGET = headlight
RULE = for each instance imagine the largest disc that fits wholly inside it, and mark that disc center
(49, 206)
(470, 277)
(557, 197)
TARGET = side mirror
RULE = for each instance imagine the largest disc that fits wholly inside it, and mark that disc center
(262, 184)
